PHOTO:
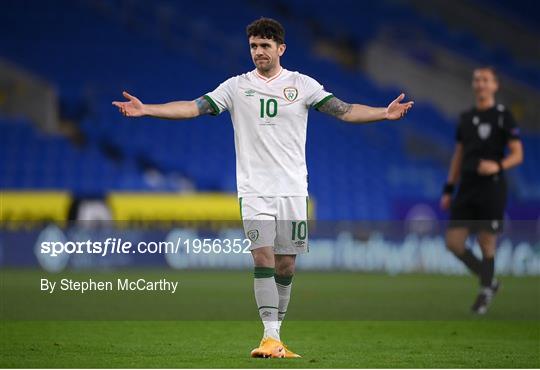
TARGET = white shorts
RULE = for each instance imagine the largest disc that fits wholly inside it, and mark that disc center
(278, 222)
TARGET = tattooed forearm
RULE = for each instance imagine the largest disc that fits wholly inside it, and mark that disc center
(336, 107)
(204, 106)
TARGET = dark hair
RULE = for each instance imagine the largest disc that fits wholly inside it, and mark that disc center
(489, 68)
(267, 28)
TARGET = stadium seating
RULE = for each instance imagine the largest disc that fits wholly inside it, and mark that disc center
(91, 54)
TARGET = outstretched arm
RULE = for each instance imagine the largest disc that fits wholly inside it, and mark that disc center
(173, 110)
(357, 113)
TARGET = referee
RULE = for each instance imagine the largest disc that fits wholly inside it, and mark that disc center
(479, 163)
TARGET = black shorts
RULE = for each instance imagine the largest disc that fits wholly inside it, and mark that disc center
(479, 204)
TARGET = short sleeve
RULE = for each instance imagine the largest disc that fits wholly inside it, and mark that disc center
(315, 94)
(221, 98)
(510, 127)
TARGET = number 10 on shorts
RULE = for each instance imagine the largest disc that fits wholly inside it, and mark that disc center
(299, 230)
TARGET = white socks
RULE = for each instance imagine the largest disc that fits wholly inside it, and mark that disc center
(266, 295)
(284, 292)
(272, 293)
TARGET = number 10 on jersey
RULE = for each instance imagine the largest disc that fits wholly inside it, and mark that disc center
(268, 108)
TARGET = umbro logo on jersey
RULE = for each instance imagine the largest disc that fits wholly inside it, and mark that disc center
(290, 93)
(249, 92)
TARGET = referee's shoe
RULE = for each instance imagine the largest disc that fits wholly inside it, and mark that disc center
(484, 298)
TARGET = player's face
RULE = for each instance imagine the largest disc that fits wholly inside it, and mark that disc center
(265, 53)
(484, 83)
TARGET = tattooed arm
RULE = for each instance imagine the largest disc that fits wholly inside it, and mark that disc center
(173, 110)
(357, 113)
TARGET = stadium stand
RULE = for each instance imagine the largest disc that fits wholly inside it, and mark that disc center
(163, 51)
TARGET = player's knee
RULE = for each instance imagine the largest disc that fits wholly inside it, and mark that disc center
(488, 249)
(488, 253)
(488, 244)
(285, 265)
(263, 257)
(285, 269)
(455, 245)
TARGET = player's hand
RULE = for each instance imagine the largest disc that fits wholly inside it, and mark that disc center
(446, 199)
(396, 109)
(132, 108)
(488, 167)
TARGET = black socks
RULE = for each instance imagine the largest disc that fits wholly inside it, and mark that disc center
(488, 269)
(470, 260)
(483, 269)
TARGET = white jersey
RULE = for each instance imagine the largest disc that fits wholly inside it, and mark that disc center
(269, 117)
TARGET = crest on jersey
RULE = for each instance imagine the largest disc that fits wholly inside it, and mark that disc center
(484, 130)
(253, 235)
(290, 93)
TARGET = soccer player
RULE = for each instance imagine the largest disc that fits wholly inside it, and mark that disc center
(269, 110)
(479, 162)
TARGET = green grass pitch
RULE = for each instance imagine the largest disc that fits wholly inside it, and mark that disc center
(335, 319)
